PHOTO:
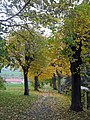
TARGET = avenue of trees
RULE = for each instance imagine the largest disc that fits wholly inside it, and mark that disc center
(66, 52)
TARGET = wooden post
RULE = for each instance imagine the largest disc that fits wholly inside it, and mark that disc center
(86, 97)
(88, 102)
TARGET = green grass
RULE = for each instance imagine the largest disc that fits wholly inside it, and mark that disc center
(13, 104)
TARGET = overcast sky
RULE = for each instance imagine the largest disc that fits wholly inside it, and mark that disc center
(3, 16)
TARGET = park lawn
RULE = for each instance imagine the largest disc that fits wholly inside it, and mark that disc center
(13, 104)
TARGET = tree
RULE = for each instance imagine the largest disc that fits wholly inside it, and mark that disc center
(59, 80)
(11, 10)
(58, 61)
(1, 54)
(38, 13)
(3, 50)
(2, 84)
(38, 66)
(77, 33)
(54, 82)
(23, 47)
(44, 76)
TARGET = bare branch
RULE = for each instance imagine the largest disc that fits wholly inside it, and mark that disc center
(16, 13)
(13, 25)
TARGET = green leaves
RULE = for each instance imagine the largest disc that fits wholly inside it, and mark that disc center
(23, 46)
(2, 84)
(3, 52)
(77, 26)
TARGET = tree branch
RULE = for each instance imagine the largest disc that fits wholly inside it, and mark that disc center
(16, 13)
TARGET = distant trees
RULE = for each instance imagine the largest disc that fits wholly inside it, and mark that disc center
(59, 63)
(38, 66)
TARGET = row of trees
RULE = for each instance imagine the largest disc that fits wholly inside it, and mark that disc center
(66, 50)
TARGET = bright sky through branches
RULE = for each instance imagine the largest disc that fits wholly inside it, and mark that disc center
(5, 9)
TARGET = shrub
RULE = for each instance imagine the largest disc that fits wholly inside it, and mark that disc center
(2, 84)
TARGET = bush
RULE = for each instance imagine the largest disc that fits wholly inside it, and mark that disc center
(2, 84)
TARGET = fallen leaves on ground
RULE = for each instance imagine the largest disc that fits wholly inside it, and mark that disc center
(38, 106)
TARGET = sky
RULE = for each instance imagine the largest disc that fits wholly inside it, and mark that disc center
(3, 16)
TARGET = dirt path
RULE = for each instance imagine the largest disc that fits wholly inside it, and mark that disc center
(46, 107)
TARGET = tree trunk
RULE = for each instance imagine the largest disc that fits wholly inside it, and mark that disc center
(36, 83)
(42, 84)
(26, 90)
(51, 83)
(59, 84)
(59, 81)
(76, 89)
(76, 79)
(54, 81)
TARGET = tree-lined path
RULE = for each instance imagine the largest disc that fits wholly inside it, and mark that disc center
(43, 105)
(52, 107)
(47, 108)
(49, 42)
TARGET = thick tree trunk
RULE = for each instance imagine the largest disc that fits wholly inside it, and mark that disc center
(76, 89)
(76, 79)
(26, 90)
(36, 83)
(54, 81)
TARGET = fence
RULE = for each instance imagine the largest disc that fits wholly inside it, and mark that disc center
(85, 98)
(88, 100)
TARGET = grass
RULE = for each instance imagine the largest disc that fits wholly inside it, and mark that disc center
(14, 105)
(63, 109)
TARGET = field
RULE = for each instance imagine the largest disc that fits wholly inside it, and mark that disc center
(7, 73)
